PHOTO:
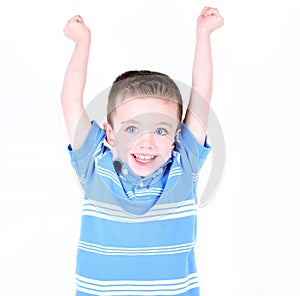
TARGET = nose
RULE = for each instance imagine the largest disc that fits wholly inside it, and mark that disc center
(146, 140)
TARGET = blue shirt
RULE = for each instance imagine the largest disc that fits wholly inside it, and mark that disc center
(137, 234)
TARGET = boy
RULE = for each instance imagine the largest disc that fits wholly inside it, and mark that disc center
(139, 215)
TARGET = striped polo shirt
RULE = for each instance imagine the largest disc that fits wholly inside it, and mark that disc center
(137, 234)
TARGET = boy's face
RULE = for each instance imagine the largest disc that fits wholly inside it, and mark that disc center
(144, 132)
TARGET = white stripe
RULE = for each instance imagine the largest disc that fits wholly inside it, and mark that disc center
(90, 250)
(157, 212)
(195, 176)
(149, 214)
(129, 287)
(134, 219)
(97, 150)
(115, 213)
(142, 248)
(147, 251)
(108, 174)
(161, 206)
(83, 178)
(132, 282)
(137, 293)
(145, 192)
(175, 172)
(157, 209)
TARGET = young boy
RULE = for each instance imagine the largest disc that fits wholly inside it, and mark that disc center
(139, 215)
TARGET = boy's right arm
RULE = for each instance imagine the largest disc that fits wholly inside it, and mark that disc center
(77, 121)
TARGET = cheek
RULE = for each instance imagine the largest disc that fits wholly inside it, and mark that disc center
(166, 150)
(123, 143)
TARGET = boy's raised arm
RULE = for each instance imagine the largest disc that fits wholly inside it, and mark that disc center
(197, 113)
(74, 82)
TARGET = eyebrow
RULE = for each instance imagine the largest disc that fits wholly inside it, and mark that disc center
(132, 121)
(165, 123)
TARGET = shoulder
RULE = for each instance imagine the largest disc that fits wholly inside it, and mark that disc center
(96, 135)
(186, 141)
(92, 148)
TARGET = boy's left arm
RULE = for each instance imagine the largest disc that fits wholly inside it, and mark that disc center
(197, 113)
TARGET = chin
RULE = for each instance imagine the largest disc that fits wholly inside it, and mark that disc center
(144, 172)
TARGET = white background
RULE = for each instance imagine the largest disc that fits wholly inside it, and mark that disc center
(249, 233)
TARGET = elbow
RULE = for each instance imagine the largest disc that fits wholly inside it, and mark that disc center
(64, 98)
(204, 90)
(204, 94)
(207, 95)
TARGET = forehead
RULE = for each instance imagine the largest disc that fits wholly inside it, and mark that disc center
(155, 108)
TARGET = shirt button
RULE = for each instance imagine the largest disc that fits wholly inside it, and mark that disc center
(125, 171)
(141, 184)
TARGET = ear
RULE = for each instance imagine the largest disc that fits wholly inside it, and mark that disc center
(110, 137)
(173, 145)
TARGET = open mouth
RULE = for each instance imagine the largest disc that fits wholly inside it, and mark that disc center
(143, 159)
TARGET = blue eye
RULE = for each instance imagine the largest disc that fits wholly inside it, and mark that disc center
(131, 130)
(160, 131)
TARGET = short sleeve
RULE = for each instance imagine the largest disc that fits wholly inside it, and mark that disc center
(82, 159)
(190, 149)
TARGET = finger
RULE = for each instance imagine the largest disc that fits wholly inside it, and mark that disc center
(210, 12)
(76, 18)
(79, 19)
(214, 11)
(73, 18)
(204, 10)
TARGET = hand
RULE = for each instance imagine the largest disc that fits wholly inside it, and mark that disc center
(76, 30)
(209, 19)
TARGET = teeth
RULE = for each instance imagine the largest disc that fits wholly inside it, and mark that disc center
(144, 157)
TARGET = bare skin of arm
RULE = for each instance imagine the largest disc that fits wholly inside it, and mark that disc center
(198, 109)
(74, 82)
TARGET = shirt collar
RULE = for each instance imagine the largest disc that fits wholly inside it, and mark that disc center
(125, 173)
